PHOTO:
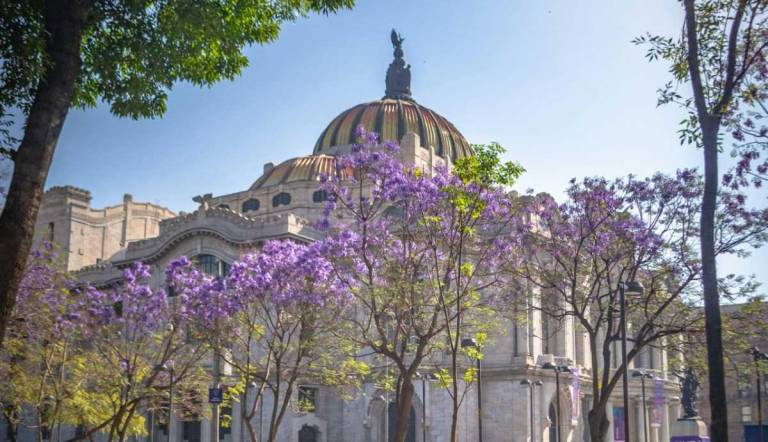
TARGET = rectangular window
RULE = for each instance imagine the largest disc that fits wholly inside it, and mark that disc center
(746, 414)
(743, 388)
(51, 232)
(307, 399)
(764, 384)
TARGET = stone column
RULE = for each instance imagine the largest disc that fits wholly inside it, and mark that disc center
(609, 411)
(236, 423)
(664, 430)
(205, 431)
(639, 421)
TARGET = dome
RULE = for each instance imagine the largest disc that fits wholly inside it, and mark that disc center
(395, 115)
(392, 118)
(308, 168)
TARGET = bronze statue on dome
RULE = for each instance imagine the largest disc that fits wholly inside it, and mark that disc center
(398, 79)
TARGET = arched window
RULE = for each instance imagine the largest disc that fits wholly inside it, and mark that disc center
(212, 265)
(251, 205)
(281, 199)
(309, 434)
(319, 196)
(223, 206)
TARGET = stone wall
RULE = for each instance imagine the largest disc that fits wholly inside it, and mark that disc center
(86, 236)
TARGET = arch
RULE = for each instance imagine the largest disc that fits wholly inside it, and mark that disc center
(251, 205)
(382, 420)
(565, 414)
(309, 433)
(552, 415)
(281, 199)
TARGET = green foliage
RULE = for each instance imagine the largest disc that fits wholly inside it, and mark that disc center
(743, 327)
(715, 20)
(134, 52)
(486, 167)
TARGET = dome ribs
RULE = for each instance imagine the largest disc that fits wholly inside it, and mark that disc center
(345, 125)
(389, 127)
(400, 120)
(391, 119)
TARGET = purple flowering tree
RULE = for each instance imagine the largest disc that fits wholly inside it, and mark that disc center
(41, 346)
(418, 251)
(609, 232)
(137, 342)
(275, 313)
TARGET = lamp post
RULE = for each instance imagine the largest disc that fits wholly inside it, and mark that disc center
(643, 376)
(424, 378)
(632, 288)
(531, 384)
(471, 343)
(758, 356)
(557, 369)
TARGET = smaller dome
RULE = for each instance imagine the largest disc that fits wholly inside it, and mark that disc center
(307, 168)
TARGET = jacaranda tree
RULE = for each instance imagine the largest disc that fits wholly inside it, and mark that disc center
(94, 358)
(418, 251)
(42, 353)
(609, 232)
(127, 54)
(138, 342)
(273, 324)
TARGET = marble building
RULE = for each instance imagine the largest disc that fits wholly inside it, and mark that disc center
(282, 203)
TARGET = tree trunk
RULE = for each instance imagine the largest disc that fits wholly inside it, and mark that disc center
(717, 399)
(251, 430)
(598, 424)
(245, 416)
(10, 420)
(64, 23)
(404, 403)
(455, 389)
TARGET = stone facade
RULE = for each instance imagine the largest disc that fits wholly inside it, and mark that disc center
(88, 236)
(283, 204)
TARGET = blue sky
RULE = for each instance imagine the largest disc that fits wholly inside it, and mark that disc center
(557, 82)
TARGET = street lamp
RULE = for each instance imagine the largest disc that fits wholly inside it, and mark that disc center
(758, 356)
(558, 369)
(632, 288)
(424, 378)
(643, 376)
(471, 343)
(531, 384)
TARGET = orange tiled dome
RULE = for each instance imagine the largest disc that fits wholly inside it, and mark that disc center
(308, 168)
